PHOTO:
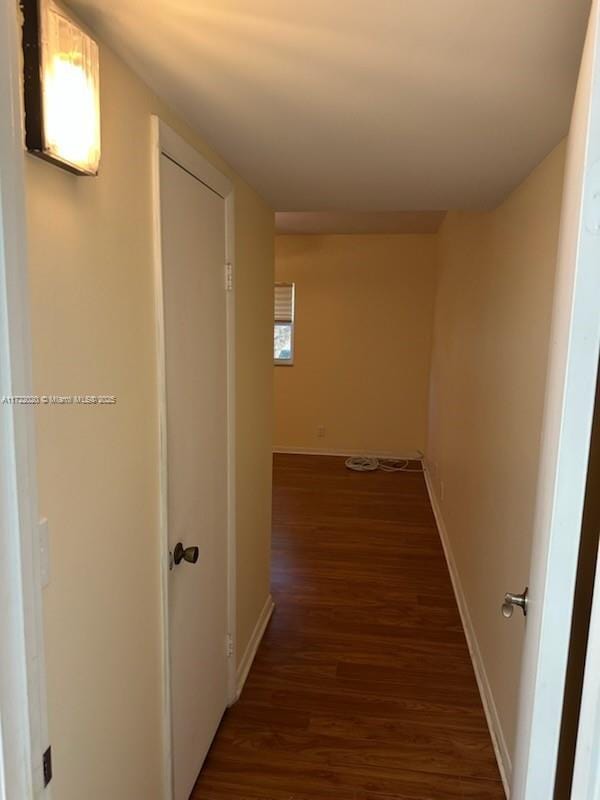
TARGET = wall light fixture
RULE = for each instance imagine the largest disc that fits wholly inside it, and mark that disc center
(61, 85)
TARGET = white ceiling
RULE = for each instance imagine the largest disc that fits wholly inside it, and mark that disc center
(363, 105)
(350, 222)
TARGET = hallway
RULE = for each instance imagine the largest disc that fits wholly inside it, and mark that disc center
(363, 686)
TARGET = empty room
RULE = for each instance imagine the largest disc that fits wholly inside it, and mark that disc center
(299, 449)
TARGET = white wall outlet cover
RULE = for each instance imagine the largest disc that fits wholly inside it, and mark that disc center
(44, 541)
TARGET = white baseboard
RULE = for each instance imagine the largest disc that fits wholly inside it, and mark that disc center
(489, 706)
(411, 455)
(255, 640)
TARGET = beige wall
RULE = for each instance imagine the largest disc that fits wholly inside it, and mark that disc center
(254, 412)
(364, 311)
(92, 299)
(487, 386)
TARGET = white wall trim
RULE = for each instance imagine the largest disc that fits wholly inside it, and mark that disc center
(411, 455)
(166, 141)
(254, 643)
(23, 705)
(230, 302)
(489, 706)
(162, 463)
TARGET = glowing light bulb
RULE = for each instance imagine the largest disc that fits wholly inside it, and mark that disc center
(70, 112)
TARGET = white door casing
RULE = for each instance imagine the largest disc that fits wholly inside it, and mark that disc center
(586, 777)
(569, 406)
(194, 241)
(23, 708)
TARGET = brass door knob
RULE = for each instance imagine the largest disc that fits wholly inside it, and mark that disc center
(181, 553)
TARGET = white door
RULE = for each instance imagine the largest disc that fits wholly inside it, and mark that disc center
(193, 259)
(570, 395)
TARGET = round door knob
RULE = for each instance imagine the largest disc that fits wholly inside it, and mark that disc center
(511, 600)
(181, 553)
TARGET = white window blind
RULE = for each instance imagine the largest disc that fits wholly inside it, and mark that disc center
(284, 302)
(283, 328)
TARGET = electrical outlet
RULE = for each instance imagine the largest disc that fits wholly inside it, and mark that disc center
(321, 431)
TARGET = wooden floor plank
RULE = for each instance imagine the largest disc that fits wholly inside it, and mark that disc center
(363, 687)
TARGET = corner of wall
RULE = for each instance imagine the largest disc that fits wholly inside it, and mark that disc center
(245, 662)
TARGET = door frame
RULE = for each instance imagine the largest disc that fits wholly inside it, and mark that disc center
(165, 141)
(23, 702)
(586, 776)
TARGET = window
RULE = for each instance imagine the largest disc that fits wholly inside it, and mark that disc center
(284, 323)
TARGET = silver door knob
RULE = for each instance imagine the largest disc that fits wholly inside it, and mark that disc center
(511, 600)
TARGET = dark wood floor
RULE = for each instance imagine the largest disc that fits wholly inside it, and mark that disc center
(362, 688)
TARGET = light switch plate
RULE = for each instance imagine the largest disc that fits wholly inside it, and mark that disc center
(44, 552)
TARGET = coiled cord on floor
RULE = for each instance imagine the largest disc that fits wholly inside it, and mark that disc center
(364, 464)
